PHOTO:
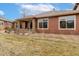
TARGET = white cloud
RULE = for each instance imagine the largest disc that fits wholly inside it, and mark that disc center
(38, 7)
(2, 12)
(32, 9)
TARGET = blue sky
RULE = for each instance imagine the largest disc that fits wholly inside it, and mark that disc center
(15, 10)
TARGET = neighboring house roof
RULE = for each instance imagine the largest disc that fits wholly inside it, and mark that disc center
(4, 19)
(51, 14)
(76, 5)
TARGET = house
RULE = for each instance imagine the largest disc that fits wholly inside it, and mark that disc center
(58, 22)
(4, 24)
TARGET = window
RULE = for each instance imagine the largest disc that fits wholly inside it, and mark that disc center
(67, 22)
(70, 24)
(62, 24)
(43, 23)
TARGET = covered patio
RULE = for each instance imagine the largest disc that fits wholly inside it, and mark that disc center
(25, 25)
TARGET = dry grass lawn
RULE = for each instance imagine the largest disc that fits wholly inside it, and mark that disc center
(39, 44)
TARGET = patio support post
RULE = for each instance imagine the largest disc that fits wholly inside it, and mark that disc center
(15, 25)
(29, 25)
(33, 25)
(18, 25)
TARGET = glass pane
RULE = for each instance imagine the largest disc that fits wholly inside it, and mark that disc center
(45, 24)
(70, 24)
(62, 24)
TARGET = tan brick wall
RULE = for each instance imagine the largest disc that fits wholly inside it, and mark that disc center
(53, 27)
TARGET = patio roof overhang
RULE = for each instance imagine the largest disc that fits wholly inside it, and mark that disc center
(25, 19)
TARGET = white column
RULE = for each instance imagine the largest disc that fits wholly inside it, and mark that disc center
(33, 25)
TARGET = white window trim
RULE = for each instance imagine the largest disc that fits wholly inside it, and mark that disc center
(64, 17)
(39, 21)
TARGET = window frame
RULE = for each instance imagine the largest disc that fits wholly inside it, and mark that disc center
(66, 18)
(40, 20)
